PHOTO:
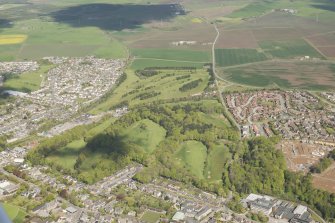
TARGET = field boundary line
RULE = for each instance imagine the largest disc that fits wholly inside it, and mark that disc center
(182, 61)
(310, 43)
(319, 34)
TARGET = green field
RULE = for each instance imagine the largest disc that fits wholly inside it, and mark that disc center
(252, 9)
(28, 82)
(305, 8)
(289, 49)
(310, 75)
(150, 217)
(173, 54)
(216, 161)
(146, 134)
(66, 157)
(230, 57)
(165, 84)
(15, 213)
(144, 63)
(193, 155)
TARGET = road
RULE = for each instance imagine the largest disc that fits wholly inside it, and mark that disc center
(216, 77)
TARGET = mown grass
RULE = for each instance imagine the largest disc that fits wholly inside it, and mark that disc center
(193, 155)
(146, 134)
(150, 217)
(66, 156)
(216, 161)
(165, 83)
(230, 57)
(15, 213)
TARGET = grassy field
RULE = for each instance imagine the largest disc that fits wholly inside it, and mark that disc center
(305, 8)
(216, 160)
(311, 75)
(15, 213)
(66, 157)
(193, 155)
(230, 57)
(9, 52)
(28, 82)
(289, 49)
(12, 39)
(173, 54)
(146, 133)
(150, 217)
(144, 63)
(165, 84)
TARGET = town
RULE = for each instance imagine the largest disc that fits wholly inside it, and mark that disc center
(103, 200)
(68, 87)
(295, 115)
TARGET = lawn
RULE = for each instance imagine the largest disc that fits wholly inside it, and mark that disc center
(146, 134)
(216, 161)
(230, 57)
(28, 82)
(15, 213)
(173, 54)
(289, 49)
(150, 217)
(193, 155)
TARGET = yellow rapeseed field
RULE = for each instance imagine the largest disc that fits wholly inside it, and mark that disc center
(12, 39)
(196, 20)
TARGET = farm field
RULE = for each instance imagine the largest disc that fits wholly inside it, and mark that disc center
(313, 75)
(15, 213)
(230, 57)
(289, 49)
(173, 54)
(242, 38)
(325, 180)
(12, 39)
(139, 64)
(193, 155)
(164, 85)
(27, 82)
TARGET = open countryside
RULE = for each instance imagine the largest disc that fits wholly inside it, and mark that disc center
(165, 111)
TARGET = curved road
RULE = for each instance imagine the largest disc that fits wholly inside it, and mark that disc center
(229, 116)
